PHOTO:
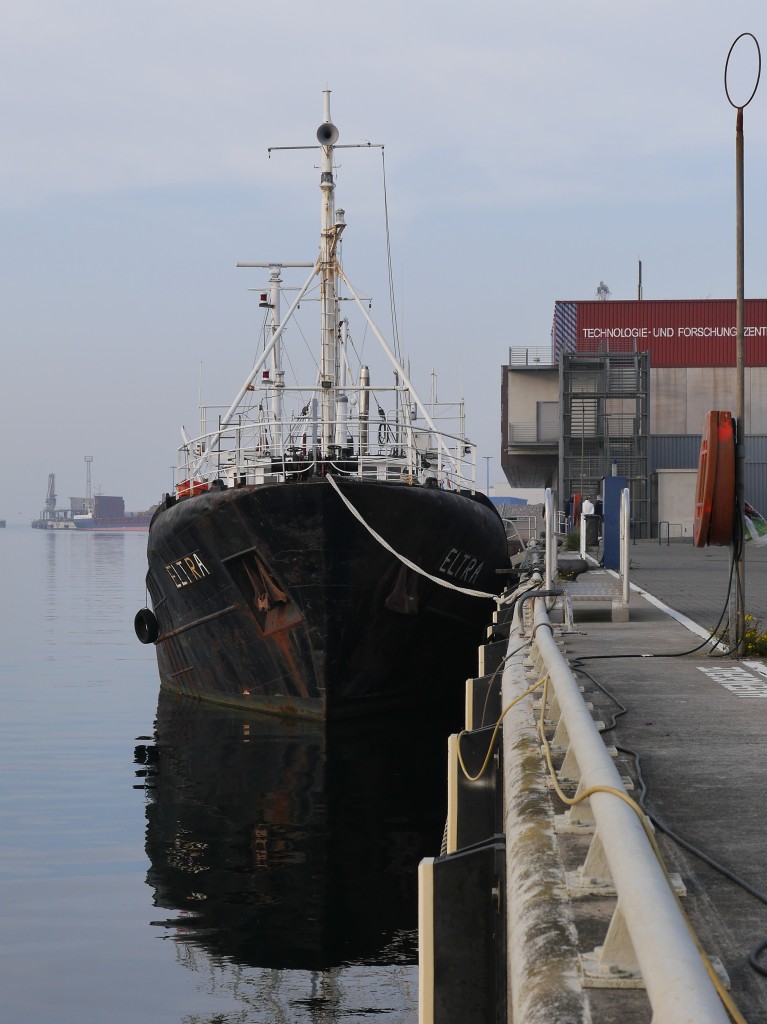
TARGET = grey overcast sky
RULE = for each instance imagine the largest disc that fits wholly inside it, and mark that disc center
(533, 149)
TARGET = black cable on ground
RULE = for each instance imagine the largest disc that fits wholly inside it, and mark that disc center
(740, 540)
(680, 654)
(753, 957)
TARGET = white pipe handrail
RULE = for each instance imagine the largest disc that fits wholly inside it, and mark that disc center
(678, 985)
(551, 538)
(625, 531)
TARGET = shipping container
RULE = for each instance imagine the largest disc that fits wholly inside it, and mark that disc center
(108, 506)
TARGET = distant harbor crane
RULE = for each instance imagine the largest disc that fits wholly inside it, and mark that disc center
(48, 514)
(50, 498)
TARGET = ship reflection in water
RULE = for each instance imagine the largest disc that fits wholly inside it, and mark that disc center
(284, 844)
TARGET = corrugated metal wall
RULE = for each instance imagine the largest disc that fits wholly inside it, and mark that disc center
(676, 332)
(681, 451)
(564, 328)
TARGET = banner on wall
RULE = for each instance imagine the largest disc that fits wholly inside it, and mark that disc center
(756, 525)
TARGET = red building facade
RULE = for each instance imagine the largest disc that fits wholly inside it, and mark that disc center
(676, 332)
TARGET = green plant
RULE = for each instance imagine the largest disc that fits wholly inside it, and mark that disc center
(754, 639)
(572, 541)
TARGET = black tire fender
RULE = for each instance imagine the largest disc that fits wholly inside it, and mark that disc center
(146, 626)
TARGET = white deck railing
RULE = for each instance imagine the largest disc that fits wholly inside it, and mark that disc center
(251, 450)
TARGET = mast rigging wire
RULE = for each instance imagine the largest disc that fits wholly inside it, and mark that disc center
(392, 303)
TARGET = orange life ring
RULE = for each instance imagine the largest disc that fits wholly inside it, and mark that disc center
(715, 484)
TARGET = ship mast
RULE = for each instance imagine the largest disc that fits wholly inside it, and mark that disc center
(278, 374)
(334, 402)
(332, 226)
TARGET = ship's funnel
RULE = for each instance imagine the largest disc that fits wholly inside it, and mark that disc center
(327, 134)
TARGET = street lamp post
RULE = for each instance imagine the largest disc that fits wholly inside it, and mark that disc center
(738, 621)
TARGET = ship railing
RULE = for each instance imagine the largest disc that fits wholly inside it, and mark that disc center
(418, 459)
(373, 421)
(250, 452)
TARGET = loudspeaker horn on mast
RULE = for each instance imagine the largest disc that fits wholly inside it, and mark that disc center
(327, 133)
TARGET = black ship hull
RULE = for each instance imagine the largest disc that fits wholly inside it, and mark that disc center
(279, 598)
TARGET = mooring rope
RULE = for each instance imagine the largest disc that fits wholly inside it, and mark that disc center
(405, 561)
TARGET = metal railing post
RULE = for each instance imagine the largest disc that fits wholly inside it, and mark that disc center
(551, 538)
(624, 541)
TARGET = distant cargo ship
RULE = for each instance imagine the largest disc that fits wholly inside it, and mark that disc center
(108, 513)
(101, 512)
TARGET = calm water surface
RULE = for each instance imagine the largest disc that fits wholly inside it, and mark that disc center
(164, 861)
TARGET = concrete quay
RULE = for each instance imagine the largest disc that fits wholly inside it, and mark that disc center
(694, 581)
(699, 727)
(689, 731)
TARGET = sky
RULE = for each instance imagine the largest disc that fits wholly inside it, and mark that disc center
(533, 148)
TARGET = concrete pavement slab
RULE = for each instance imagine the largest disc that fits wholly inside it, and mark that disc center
(700, 746)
